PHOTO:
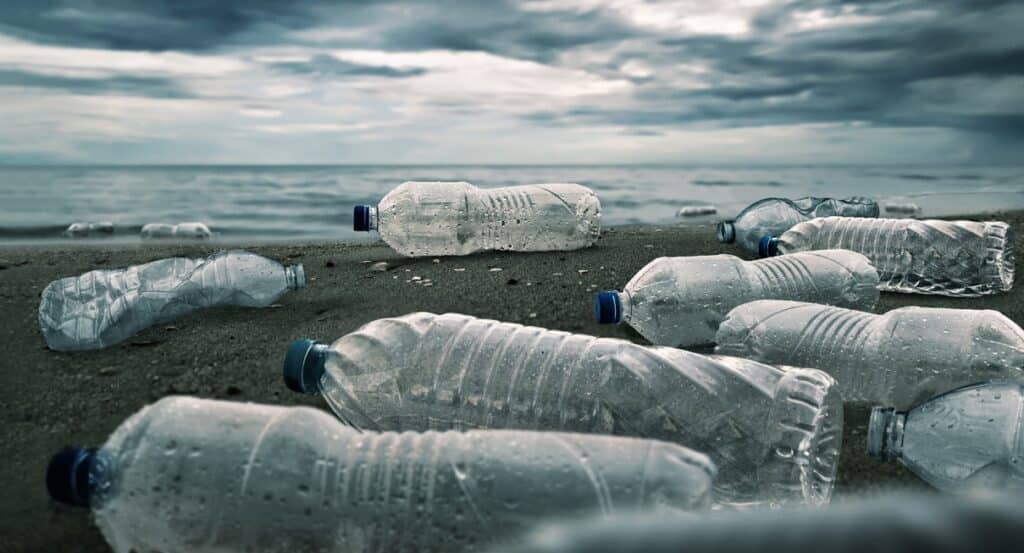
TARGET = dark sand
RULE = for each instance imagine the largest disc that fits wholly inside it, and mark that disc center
(55, 399)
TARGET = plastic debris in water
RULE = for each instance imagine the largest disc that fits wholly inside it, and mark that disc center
(184, 231)
(457, 218)
(205, 476)
(696, 210)
(82, 230)
(902, 208)
(101, 308)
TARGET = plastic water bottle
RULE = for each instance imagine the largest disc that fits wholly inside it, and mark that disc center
(773, 216)
(967, 439)
(190, 231)
(900, 358)
(82, 230)
(897, 523)
(680, 301)
(950, 258)
(457, 218)
(187, 474)
(101, 308)
(773, 433)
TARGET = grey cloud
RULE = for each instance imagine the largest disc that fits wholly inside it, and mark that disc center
(153, 87)
(329, 66)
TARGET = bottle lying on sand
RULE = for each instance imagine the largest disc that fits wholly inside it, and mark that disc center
(457, 218)
(82, 230)
(101, 308)
(905, 523)
(188, 474)
(949, 258)
(900, 358)
(773, 433)
(182, 231)
(680, 301)
(773, 216)
(965, 440)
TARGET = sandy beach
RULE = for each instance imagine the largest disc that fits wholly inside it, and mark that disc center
(53, 399)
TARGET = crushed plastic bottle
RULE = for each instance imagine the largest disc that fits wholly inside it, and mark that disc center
(902, 208)
(895, 523)
(205, 476)
(773, 216)
(101, 308)
(181, 231)
(949, 258)
(964, 440)
(900, 358)
(680, 301)
(773, 433)
(457, 218)
(83, 230)
(696, 210)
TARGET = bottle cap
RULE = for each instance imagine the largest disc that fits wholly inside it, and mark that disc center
(726, 232)
(608, 307)
(361, 218)
(304, 365)
(768, 247)
(67, 475)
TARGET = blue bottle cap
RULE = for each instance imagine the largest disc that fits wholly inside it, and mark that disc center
(768, 247)
(361, 218)
(304, 365)
(67, 475)
(607, 307)
(726, 232)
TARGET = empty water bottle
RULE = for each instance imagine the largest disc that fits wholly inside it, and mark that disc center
(897, 523)
(187, 474)
(193, 231)
(101, 308)
(773, 216)
(950, 258)
(457, 218)
(899, 358)
(967, 439)
(773, 433)
(82, 230)
(680, 301)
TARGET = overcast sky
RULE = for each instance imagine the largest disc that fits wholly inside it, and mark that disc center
(539, 81)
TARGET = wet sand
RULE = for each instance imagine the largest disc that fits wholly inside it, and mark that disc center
(53, 399)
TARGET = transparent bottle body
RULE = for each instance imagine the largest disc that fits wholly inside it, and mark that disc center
(773, 216)
(101, 308)
(950, 258)
(968, 439)
(773, 433)
(680, 301)
(899, 358)
(457, 218)
(187, 474)
(194, 230)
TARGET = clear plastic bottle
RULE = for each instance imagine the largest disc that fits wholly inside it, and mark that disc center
(773, 433)
(82, 230)
(101, 308)
(188, 474)
(193, 231)
(950, 258)
(457, 218)
(680, 301)
(773, 216)
(900, 358)
(967, 439)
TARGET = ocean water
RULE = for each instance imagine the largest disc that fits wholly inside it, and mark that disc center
(272, 203)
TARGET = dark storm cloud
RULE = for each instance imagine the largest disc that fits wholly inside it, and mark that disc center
(323, 65)
(153, 87)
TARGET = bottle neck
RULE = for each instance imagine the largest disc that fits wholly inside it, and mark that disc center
(295, 277)
(885, 434)
(373, 221)
(626, 304)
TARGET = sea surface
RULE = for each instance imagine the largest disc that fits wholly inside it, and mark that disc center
(274, 203)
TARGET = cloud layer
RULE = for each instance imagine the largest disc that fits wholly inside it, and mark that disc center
(537, 81)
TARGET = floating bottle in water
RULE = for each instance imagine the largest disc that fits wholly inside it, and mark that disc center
(967, 439)
(773, 433)
(183, 231)
(773, 216)
(101, 308)
(680, 301)
(82, 230)
(900, 358)
(188, 474)
(457, 218)
(950, 258)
